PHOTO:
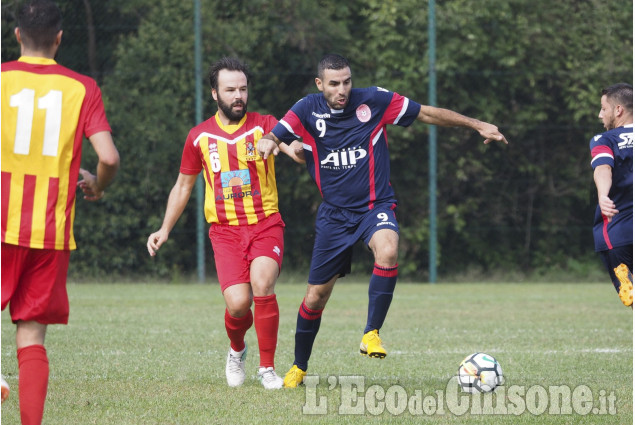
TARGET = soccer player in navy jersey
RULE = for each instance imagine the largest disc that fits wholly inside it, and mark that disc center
(612, 162)
(343, 131)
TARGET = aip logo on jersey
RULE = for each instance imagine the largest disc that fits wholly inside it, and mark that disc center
(343, 159)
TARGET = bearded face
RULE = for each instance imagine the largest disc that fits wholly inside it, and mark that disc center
(231, 95)
(234, 111)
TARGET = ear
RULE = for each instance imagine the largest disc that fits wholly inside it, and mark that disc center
(214, 94)
(17, 35)
(619, 110)
(319, 84)
(58, 38)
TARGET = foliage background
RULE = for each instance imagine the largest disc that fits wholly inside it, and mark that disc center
(534, 68)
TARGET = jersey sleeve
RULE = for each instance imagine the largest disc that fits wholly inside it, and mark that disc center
(601, 152)
(268, 123)
(95, 113)
(290, 127)
(401, 110)
(191, 161)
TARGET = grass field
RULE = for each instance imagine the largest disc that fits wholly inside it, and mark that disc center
(155, 354)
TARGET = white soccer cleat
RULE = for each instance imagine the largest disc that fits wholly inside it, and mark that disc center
(269, 379)
(235, 367)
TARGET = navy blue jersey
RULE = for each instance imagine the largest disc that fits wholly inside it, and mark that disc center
(346, 150)
(615, 148)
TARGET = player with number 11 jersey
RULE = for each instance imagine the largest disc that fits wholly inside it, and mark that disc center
(40, 101)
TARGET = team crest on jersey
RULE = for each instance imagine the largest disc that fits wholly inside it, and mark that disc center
(363, 113)
(250, 151)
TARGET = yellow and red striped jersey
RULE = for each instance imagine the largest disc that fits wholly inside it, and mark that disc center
(240, 187)
(46, 111)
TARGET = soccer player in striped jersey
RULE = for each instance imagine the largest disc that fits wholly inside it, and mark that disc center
(241, 204)
(612, 162)
(343, 131)
(46, 111)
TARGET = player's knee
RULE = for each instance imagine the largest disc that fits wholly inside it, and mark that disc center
(316, 300)
(263, 287)
(239, 308)
(386, 255)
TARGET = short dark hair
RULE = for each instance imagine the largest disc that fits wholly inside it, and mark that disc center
(621, 93)
(331, 61)
(39, 22)
(230, 64)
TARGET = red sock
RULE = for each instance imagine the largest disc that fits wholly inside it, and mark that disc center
(267, 317)
(33, 366)
(236, 328)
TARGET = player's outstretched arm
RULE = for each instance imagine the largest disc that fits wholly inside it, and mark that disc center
(267, 145)
(179, 195)
(295, 151)
(448, 118)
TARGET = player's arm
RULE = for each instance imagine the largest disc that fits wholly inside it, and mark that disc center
(603, 177)
(179, 195)
(447, 118)
(92, 185)
(294, 150)
(268, 144)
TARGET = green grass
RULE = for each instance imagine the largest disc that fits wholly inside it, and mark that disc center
(155, 354)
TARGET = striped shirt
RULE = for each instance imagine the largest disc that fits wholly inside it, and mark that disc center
(47, 109)
(240, 187)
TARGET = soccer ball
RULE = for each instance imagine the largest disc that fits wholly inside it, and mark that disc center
(480, 372)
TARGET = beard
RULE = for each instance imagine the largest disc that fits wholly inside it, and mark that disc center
(229, 112)
(332, 103)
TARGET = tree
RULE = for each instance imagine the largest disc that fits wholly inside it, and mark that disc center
(525, 206)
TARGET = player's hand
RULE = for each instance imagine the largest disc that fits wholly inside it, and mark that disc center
(607, 207)
(266, 147)
(490, 133)
(155, 241)
(298, 152)
(88, 185)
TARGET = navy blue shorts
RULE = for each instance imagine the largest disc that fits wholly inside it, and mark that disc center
(614, 257)
(337, 230)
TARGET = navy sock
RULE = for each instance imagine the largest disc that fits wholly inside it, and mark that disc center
(307, 327)
(380, 290)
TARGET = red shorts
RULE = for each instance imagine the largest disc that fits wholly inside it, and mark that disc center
(34, 284)
(235, 247)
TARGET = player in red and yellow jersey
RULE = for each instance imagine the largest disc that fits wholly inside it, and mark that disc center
(241, 187)
(241, 204)
(47, 109)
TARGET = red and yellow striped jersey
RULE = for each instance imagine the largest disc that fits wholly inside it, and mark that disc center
(240, 187)
(46, 111)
